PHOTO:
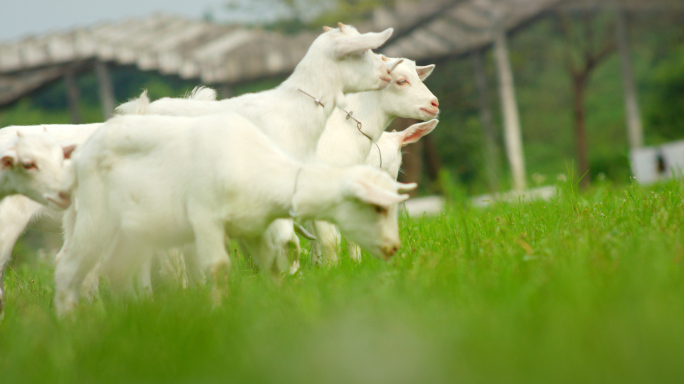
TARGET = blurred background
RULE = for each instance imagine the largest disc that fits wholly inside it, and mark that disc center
(530, 90)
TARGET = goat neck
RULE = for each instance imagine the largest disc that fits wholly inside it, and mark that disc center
(367, 108)
(318, 189)
(320, 82)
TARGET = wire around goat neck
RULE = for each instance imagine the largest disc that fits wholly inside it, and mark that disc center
(359, 126)
(349, 116)
(316, 100)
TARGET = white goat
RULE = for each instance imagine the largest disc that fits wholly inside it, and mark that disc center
(18, 210)
(182, 180)
(294, 114)
(32, 165)
(343, 144)
(389, 146)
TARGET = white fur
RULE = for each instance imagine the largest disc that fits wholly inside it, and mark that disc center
(390, 145)
(182, 180)
(339, 61)
(31, 164)
(342, 144)
(18, 210)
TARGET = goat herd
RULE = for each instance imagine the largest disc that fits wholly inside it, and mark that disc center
(181, 174)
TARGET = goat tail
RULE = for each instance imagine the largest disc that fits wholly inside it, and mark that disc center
(202, 93)
(137, 106)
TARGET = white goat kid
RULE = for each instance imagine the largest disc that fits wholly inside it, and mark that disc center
(342, 144)
(31, 165)
(183, 180)
(389, 146)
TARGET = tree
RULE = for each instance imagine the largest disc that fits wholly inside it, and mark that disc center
(589, 42)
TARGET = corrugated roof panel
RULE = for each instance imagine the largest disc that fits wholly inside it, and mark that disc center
(33, 53)
(10, 58)
(223, 45)
(62, 48)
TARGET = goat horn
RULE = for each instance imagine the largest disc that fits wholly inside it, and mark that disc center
(306, 234)
(393, 66)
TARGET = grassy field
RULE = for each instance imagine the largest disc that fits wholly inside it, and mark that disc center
(586, 288)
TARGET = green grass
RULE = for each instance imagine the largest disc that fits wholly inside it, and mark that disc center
(586, 288)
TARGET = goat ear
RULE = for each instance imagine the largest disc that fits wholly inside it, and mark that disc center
(424, 71)
(8, 159)
(340, 26)
(345, 45)
(416, 131)
(68, 150)
(373, 194)
(327, 29)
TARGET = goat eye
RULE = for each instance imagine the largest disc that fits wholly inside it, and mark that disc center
(30, 166)
(401, 82)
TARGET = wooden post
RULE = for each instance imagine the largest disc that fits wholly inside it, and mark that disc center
(106, 90)
(491, 151)
(73, 95)
(634, 127)
(226, 91)
(509, 106)
(433, 164)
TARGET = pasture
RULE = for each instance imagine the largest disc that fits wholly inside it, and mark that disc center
(585, 288)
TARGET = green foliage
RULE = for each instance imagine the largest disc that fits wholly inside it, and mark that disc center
(666, 111)
(586, 287)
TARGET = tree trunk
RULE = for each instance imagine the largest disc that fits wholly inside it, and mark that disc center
(578, 92)
(592, 51)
